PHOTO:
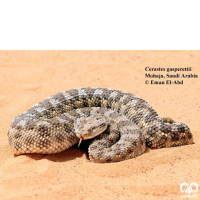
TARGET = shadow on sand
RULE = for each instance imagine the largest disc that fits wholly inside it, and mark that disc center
(67, 155)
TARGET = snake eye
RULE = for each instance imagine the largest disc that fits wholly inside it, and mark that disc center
(101, 125)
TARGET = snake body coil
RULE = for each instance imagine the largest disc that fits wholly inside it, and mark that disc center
(132, 125)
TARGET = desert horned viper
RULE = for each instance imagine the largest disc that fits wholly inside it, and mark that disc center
(122, 125)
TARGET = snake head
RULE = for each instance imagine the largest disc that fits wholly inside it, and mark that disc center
(89, 127)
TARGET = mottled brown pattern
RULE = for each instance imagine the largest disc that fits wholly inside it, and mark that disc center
(48, 127)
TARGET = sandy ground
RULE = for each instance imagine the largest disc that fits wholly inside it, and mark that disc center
(27, 77)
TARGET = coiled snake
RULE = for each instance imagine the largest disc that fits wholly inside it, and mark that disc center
(122, 125)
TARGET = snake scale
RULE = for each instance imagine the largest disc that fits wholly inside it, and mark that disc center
(119, 124)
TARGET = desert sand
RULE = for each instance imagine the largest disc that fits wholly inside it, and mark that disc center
(27, 77)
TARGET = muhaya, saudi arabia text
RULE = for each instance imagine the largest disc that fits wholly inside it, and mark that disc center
(159, 76)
